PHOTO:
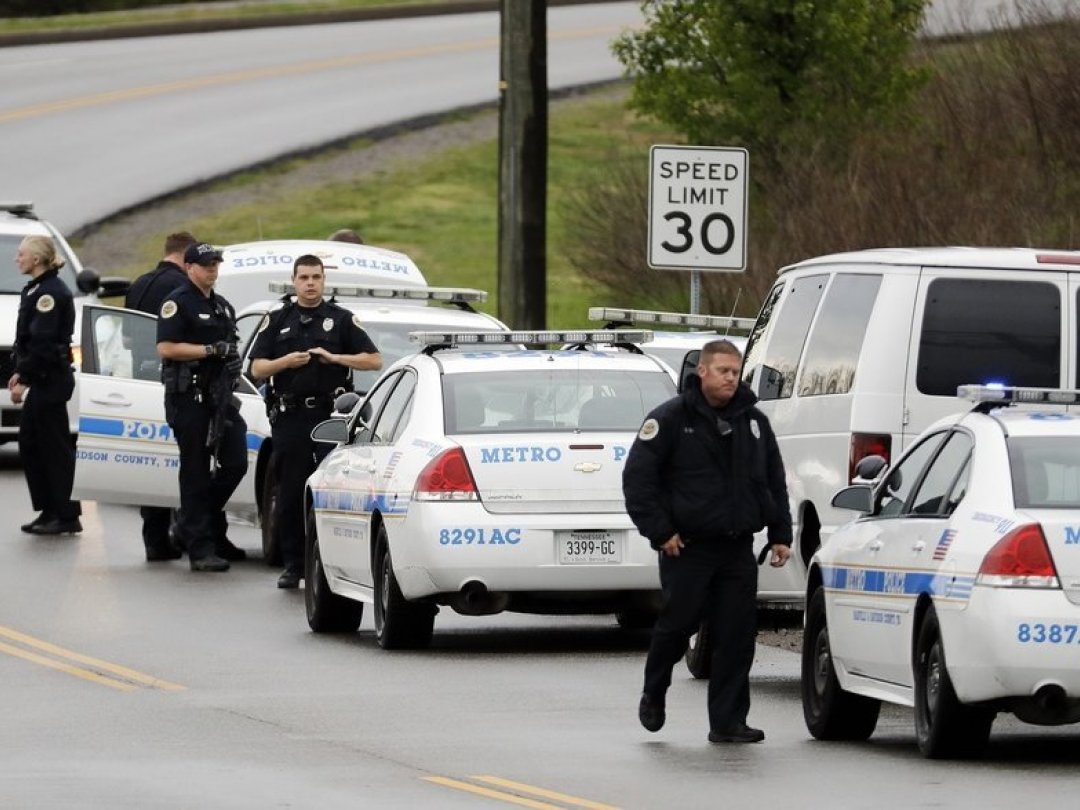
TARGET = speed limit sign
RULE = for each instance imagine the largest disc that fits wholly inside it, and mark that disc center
(697, 208)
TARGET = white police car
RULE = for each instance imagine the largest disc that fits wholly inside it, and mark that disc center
(126, 452)
(677, 337)
(17, 221)
(958, 591)
(484, 481)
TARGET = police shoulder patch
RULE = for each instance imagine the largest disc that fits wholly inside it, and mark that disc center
(168, 309)
(649, 430)
(45, 303)
(357, 322)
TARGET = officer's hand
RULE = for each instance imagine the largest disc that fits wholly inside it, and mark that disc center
(219, 349)
(779, 556)
(234, 365)
(321, 353)
(17, 391)
(297, 359)
(672, 547)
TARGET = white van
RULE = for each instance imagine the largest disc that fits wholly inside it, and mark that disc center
(857, 353)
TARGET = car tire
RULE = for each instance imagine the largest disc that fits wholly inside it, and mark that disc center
(945, 728)
(270, 547)
(830, 712)
(326, 611)
(699, 653)
(399, 623)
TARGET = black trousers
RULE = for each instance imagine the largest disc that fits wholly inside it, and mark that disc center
(295, 457)
(203, 494)
(155, 526)
(47, 451)
(715, 581)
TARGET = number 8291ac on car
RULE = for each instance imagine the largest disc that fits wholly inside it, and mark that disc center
(485, 477)
(958, 590)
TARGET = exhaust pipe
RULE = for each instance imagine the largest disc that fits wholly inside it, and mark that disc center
(474, 599)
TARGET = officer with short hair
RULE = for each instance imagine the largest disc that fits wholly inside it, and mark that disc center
(147, 294)
(308, 350)
(196, 340)
(44, 380)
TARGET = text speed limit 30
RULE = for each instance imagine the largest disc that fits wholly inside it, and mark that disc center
(697, 208)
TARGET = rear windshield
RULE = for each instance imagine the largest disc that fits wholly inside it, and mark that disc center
(12, 281)
(1045, 472)
(534, 401)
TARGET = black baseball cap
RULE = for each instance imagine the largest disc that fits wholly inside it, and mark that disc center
(203, 254)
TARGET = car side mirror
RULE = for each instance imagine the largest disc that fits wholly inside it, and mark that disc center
(689, 366)
(858, 498)
(88, 281)
(767, 383)
(331, 431)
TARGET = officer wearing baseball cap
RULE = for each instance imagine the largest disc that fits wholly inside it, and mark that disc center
(196, 340)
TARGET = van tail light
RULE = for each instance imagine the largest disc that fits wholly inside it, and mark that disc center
(1020, 559)
(447, 477)
(867, 444)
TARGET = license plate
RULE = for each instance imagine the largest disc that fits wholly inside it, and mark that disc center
(589, 548)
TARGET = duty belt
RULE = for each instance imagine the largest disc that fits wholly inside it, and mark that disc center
(287, 402)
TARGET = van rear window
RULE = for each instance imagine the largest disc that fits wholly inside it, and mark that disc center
(978, 331)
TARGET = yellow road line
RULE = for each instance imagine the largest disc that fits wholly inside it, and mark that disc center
(136, 677)
(513, 798)
(78, 672)
(256, 74)
(491, 794)
(544, 794)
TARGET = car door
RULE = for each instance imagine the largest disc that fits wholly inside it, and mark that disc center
(125, 452)
(350, 487)
(864, 622)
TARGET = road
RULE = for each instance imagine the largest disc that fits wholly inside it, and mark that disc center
(184, 690)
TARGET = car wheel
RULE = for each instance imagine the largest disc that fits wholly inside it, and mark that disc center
(399, 623)
(699, 653)
(271, 550)
(944, 727)
(326, 611)
(829, 711)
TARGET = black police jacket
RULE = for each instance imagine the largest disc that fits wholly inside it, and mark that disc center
(188, 316)
(150, 290)
(294, 328)
(705, 479)
(43, 337)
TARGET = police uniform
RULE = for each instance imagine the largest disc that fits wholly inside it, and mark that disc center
(300, 398)
(713, 476)
(147, 293)
(191, 388)
(43, 361)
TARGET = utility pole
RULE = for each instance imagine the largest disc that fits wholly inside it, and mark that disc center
(523, 142)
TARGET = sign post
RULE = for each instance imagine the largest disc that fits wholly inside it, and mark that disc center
(697, 210)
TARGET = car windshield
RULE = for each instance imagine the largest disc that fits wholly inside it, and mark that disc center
(514, 401)
(12, 281)
(1045, 471)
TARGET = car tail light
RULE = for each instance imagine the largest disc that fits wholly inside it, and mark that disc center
(447, 477)
(1020, 559)
(867, 444)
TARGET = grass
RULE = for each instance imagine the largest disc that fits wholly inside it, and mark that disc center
(195, 11)
(443, 211)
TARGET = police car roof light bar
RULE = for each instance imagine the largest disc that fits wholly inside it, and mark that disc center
(544, 336)
(997, 395)
(711, 322)
(452, 295)
(19, 209)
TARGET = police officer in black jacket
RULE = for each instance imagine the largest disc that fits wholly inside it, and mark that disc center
(43, 381)
(147, 294)
(702, 476)
(308, 350)
(196, 339)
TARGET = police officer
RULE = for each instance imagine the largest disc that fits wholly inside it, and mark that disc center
(196, 339)
(147, 294)
(308, 350)
(703, 475)
(44, 380)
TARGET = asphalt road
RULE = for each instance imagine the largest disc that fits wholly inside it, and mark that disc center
(128, 685)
